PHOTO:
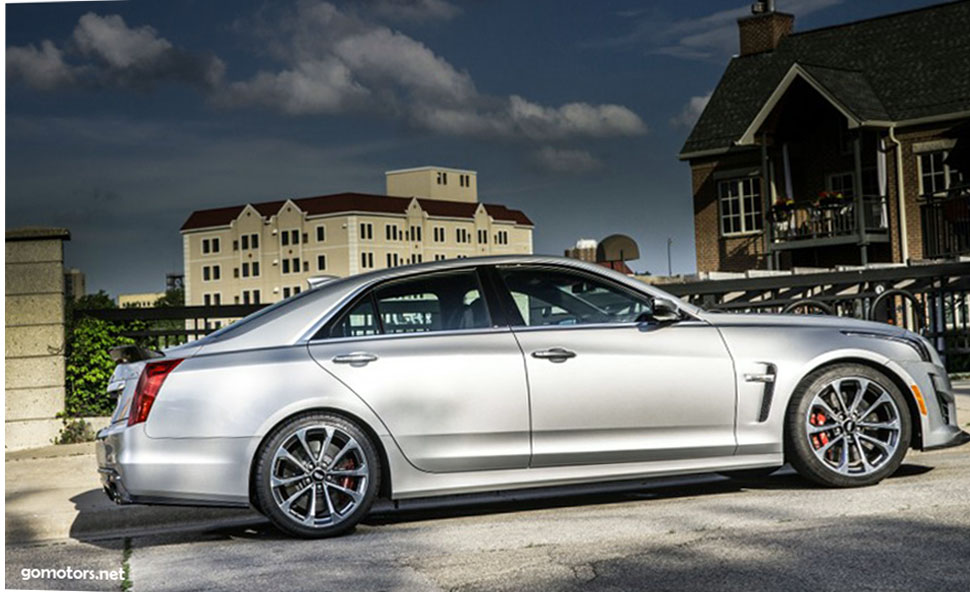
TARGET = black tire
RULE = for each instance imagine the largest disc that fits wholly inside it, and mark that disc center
(264, 494)
(799, 446)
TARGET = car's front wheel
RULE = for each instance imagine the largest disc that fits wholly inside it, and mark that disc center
(317, 475)
(847, 425)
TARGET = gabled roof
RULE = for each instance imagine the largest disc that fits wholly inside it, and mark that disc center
(353, 202)
(895, 68)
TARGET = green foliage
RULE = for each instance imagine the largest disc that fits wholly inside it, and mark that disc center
(75, 430)
(171, 298)
(89, 367)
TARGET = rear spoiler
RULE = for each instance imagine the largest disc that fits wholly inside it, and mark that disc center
(125, 354)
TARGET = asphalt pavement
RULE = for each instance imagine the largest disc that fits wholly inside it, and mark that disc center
(911, 532)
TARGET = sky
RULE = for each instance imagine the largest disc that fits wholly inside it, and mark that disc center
(124, 117)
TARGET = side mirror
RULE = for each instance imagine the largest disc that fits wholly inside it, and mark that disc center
(665, 311)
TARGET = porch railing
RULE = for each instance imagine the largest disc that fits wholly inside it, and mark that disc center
(946, 224)
(803, 221)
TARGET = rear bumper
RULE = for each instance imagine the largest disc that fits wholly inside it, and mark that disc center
(136, 469)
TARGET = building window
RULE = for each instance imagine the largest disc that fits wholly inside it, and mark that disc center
(416, 233)
(286, 266)
(245, 270)
(286, 291)
(502, 237)
(212, 299)
(482, 236)
(235, 272)
(255, 268)
(210, 245)
(245, 241)
(306, 265)
(439, 257)
(291, 265)
(392, 232)
(393, 259)
(210, 273)
(284, 238)
(205, 246)
(843, 183)
(206, 299)
(418, 258)
(296, 289)
(235, 245)
(254, 241)
(439, 234)
(366, 231)
(245, 295)
(321, 262)
(367, 260)
(740, 205)
(442, 178)
(255, 296)
(321, 234)
(462, 235)
(936, 175)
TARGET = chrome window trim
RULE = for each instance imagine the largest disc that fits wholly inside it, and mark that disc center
(382, 336)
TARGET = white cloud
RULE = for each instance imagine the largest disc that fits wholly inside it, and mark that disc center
(42, 69)
(107, 52)
(564, 160)
(691, 112)
(712, 36)
(110, 39)
(390, 73)
(414, 10)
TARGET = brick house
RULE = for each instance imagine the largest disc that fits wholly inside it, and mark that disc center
(876, 113)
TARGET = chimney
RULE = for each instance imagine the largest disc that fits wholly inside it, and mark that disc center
(764, 29)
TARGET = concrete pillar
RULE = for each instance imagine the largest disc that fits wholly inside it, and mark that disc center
(35, 339)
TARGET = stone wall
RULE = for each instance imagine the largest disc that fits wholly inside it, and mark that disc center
(35, 338)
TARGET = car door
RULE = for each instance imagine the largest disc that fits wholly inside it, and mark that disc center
(607, 383)
(442, 371)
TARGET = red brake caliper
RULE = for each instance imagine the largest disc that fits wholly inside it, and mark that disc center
(822, 438)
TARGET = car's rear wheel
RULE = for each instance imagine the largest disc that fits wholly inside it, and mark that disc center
(847, 425)
(317, 475)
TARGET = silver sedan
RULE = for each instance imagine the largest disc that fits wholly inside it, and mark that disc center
(507, 372)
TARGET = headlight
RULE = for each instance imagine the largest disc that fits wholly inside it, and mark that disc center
(919, 345)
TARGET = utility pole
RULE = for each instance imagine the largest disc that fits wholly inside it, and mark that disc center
(669, 268)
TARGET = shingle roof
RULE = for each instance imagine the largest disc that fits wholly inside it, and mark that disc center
(896, 67)
(354, 202)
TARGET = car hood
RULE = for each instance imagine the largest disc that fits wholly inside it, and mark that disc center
(726, 319)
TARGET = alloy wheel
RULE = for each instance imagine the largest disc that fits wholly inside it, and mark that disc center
(319, 476)
(853, 426)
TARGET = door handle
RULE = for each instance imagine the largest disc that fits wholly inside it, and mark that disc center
(556, 354)
(355, 359)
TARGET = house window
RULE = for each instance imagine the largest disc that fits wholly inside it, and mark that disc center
(245, 269)
(286, 266)
(245, 241)
(740, 201)
(843, 183)
(210, 273)
(936, 176)
(321, 262)
(254, 241)
(462, 235)
(321, 234)
(255, 268)
(284, 238)
(255, 296)
(295, 265)
(502, 237)
(416, 233)
(367, 260)
(439, 234)
(393, 259)
(205, 246)
(392, 232)
(482, 236)
(366, 231)
(245, 295)
(286, 291)
(206, 299)
(442, 178)
(465, 180)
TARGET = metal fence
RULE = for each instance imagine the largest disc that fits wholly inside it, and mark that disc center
(946, 224)
(933, 300)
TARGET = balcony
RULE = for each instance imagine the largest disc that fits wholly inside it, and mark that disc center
(806, 224)
(946, 224)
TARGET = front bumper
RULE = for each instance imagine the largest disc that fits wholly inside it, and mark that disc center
(939, 427)
(136, 469)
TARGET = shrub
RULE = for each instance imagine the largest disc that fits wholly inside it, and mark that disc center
(75, 430)
(89, 367)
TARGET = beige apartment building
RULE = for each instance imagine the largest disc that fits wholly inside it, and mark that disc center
(264, 252)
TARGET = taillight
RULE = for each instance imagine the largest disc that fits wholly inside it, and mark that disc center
(149, 382)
